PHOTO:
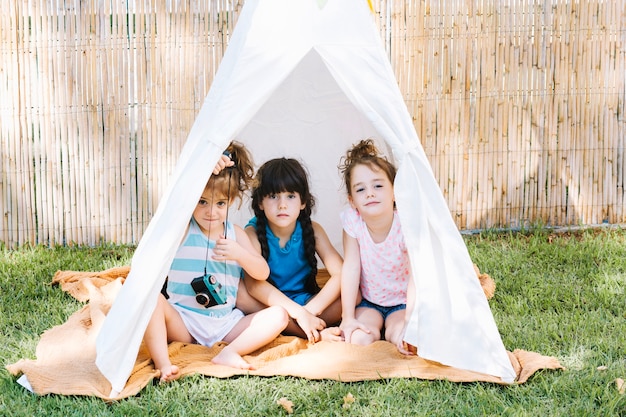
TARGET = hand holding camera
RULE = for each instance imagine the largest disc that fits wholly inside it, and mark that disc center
(227, 250)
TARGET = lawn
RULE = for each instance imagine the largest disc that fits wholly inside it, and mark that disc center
(559, 294)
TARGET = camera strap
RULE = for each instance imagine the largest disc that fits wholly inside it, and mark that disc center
(208, 242)
(208, 238)
(230, 175)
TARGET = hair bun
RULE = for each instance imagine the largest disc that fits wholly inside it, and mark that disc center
(365, 149)
(243, 163)
(364, 152)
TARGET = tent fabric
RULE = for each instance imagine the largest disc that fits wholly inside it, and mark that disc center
(307, 79)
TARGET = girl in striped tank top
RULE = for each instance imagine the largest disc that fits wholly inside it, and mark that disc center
(202, 285)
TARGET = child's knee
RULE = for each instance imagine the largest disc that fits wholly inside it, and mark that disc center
(360, 337)
(278, 315)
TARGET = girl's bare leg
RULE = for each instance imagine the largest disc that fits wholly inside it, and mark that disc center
(251, 333)
(394, 326)
(164, 318)
(247, 303)
(332, 317)
(293, 329)
(374, 322)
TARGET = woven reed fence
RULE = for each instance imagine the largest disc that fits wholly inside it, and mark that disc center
(519, 106)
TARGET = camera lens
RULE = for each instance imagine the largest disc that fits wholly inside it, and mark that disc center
(202, 299)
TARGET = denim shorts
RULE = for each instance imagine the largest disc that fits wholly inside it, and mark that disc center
(384, 311)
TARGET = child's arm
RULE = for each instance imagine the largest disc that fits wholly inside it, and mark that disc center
(269, 295)
(243, 253)
(333, 264)
(350, 279)
(403, 346)
(256, 247)
(272, 296)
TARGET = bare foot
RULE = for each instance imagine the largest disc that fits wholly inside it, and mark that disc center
(169, 373)
(229, 358)
(331, 334)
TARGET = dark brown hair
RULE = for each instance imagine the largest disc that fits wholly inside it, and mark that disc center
(286, 175)
(364, 153)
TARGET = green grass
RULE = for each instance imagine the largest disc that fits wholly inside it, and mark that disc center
(557, 294)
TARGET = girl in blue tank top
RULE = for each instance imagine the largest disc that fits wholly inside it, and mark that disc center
(283, 232)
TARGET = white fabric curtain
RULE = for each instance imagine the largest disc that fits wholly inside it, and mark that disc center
(307, 79)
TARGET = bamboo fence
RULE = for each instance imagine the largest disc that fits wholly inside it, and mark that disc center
(519, 105)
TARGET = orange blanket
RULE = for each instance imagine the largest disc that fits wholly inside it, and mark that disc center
(66, 353)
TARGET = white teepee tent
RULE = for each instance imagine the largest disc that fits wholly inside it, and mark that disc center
(307, 79)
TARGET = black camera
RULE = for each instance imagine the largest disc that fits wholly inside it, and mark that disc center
(208, 291)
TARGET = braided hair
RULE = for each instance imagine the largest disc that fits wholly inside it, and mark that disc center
(286, 175)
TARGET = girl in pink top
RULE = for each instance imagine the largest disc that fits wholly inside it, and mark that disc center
(375, 256)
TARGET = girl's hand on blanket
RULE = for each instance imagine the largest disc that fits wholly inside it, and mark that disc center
(406, 349)
(310, 325)
(350, 326)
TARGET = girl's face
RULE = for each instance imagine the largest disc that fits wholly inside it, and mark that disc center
(211, 211)
(371, 191)
(282, 209)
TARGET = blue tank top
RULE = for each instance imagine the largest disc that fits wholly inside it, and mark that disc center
(289, 268)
